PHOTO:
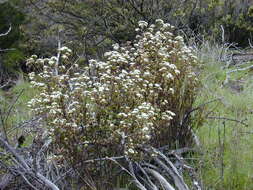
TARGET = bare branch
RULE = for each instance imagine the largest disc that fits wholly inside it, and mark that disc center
(251, 46)
(47, 182)
(106, 158)
(10, 49)
(160, 178)
(15, 154)
(27, 181)
(6, 33)
(12, 105)
(147, 179)
(229, 119)
(172, 170)
(5, 180)
(26, 167)
(4, 85)
(240, 69)
(222, 34)
(58, 55)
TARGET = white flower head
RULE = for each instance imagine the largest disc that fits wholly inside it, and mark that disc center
(115, 46)
(142, 24)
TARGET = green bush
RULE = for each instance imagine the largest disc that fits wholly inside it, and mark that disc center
(91, 27)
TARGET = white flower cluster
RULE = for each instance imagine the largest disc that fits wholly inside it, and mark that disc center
(130, 93)
(66, 52)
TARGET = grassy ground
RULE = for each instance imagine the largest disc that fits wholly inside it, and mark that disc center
(14, 110)
(227, 136)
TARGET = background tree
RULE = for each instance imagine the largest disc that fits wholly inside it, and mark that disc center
(11, 53)
(91, 27)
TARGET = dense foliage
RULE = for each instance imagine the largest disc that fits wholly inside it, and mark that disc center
(10, 54)
(91, 27)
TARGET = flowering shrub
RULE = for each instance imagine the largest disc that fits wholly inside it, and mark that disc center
(139, 95)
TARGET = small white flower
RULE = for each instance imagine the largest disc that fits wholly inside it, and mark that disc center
(159, 21)
(142, 24)
(131, 151)
(169, 76)
(64, 56)
(115, 46)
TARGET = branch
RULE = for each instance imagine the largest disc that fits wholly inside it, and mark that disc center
(176, 151)
(130, 172)
(147, 179)
(15, 154)
(229, 119)
(160, 178)
(198, 107)
(10, 49)
(171, 169)
(47, 182)
(12, 105)
(6, 33)
(242, 69)
(173, 172)
(5, 180)
(58, 55)
(222, 34)
(106, 158)
(136, 181)
(4, 85)
(26, 167)
(27, 181)
(251, 46)
(202, 105)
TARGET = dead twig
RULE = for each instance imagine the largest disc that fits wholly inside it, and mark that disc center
(26, 169)
(9, 49)
(187, 115)
(165, 184)
(6, 33)
(251, 46)
(241, 69)
(229, 119)
(4, 85)
(12, 105)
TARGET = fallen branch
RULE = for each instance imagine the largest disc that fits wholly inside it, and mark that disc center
(163, 167)
(160, 178)
(5, 180)
(173, 172)
(240, 69)
(25, 167)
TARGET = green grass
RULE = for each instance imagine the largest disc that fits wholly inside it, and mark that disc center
(14, 102)
(227, 145)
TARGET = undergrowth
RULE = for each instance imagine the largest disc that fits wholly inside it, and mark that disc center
(14, 110)
(226, 137)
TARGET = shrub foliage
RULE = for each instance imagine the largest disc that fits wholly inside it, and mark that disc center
(138, 96)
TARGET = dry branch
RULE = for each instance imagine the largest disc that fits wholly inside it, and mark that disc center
(160, 178)
(25, 168)
(229, 119)
(6, 33)
(241, 69)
